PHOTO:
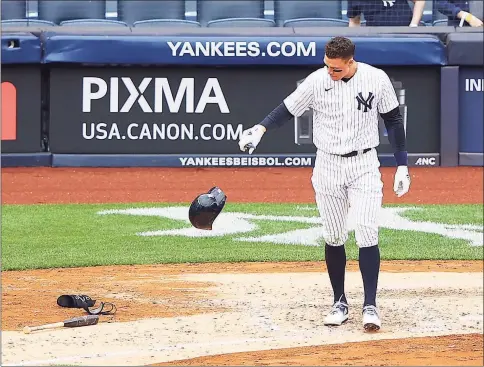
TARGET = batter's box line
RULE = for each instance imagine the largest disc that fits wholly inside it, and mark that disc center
(296, 335)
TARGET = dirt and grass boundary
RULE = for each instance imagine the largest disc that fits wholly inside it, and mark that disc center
(180, 297)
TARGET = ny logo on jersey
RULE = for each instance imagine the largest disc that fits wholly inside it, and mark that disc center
(365, 102)
(389, 3)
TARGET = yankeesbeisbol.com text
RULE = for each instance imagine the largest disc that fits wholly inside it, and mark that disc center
(153, 131)
(245, 161)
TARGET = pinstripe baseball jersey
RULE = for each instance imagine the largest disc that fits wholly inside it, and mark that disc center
(345, 113)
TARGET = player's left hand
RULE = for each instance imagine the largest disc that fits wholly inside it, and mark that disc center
(401, 184)
(251, 138)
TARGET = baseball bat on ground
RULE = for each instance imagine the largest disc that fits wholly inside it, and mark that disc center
(74, 322)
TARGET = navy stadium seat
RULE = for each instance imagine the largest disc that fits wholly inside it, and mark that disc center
(13, 9)
(92, 23)
(58, 11)
(241, 22)
(306, 10)
(152, 23)
(428, 11)
(440, 22)
(226, 11)
(26, 23)
(131, 11)
(316, 22)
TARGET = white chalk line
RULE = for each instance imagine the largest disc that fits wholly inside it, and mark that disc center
(296, 335)
(137, 352)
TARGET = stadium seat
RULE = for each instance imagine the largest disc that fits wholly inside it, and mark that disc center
(316, 22)
(428, 11)
(440, 22)
(131, 11)
(59, 11)
(12, 23)
(306, 10)
(92, 23)
(152, 23)
(14, 9)
(476, 7)
(210, 10)
(241, 22)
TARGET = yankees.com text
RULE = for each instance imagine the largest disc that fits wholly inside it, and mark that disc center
(246, 161)
(241, 49)
(145, 131)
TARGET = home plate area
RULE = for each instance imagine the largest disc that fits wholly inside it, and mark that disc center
(260, 311)
(243, 313)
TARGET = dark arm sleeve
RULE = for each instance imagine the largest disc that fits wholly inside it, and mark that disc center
(448, 8)
(396, 135)
(277, 117)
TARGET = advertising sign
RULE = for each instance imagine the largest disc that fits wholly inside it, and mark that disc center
(203, 111)
(471, 106)
(21, 109)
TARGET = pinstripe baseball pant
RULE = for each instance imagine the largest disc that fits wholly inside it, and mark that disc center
(340, 182)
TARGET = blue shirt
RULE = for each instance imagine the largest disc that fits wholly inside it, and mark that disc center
(450, 8)
(381, 13)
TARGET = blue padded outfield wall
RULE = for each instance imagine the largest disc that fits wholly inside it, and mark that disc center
(181, 98)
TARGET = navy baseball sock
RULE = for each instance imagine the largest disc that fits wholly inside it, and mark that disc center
(369, 261)
(336, 262)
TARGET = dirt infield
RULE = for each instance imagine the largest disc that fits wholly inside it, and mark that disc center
(453, 350)
(178, 301)
(291, 185)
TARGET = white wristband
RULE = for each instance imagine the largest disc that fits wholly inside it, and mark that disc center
(463, 19)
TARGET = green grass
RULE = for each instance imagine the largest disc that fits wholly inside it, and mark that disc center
(450, 214)
(50, 236)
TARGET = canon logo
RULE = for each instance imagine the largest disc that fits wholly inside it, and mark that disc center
(94, 88)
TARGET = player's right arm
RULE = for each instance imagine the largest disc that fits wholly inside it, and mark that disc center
(292, 106)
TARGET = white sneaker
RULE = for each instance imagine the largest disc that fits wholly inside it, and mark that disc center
(371, 318)
(338, 314)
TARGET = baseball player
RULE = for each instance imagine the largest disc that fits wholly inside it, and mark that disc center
(346, 97)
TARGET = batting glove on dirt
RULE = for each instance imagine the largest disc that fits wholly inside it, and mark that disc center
(401, 184)
(251, 138)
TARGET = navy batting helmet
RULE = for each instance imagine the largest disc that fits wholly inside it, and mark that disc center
(206, 208)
